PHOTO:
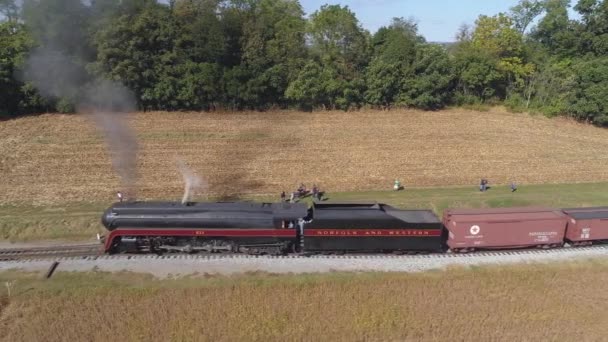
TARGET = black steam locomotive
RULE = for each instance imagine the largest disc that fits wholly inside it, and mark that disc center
(269, 228)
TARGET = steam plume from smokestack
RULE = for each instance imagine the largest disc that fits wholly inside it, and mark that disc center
(193, 184)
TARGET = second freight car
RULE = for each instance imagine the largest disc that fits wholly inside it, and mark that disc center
(587, 226)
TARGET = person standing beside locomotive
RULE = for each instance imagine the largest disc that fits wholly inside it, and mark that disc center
(315, 192)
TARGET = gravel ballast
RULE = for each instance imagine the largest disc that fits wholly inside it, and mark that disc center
(183, 265)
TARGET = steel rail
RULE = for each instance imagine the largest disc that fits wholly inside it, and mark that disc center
(85, 250)
(95, 252)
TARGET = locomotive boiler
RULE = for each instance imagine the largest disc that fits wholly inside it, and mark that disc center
(256, 228)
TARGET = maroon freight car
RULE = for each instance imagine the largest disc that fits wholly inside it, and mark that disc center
(587, 225)
(471, 229)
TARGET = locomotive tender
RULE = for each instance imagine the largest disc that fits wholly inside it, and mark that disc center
(282, 228)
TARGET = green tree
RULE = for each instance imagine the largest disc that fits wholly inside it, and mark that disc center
(341, 47)
(555, 31)
(16, 97)
(594, 26)
(383, 82)
(312, 87)
(588, 98)
(394, 52)
(430, 80)
(273, 49)
(497, 36)
(550, 87)
(397, 42)
(337, 37)
(524, 13)
(201, 36)
(138, 50)
(478, 78)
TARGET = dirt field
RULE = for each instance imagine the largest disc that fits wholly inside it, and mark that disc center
(61, 158)
(521, 303)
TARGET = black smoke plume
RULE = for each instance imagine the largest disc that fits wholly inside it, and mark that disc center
(58, 70)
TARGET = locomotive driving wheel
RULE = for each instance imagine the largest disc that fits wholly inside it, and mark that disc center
(295, 248)
(155, 244)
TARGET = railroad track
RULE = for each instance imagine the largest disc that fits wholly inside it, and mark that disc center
(67, 251)
(95, 252)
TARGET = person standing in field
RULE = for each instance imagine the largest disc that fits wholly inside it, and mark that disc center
(397, 185)
(513, 187)
(483, 186)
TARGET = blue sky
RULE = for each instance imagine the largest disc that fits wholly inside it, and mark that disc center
(438, 20)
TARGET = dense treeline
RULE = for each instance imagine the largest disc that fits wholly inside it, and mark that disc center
(260, 54)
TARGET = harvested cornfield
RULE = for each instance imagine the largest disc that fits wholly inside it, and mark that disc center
(557, 302)
(62, 158)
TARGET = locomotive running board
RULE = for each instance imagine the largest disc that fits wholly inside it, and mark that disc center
(188, 249)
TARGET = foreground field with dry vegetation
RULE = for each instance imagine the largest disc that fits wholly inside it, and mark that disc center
(527, 302)
(62, 158)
